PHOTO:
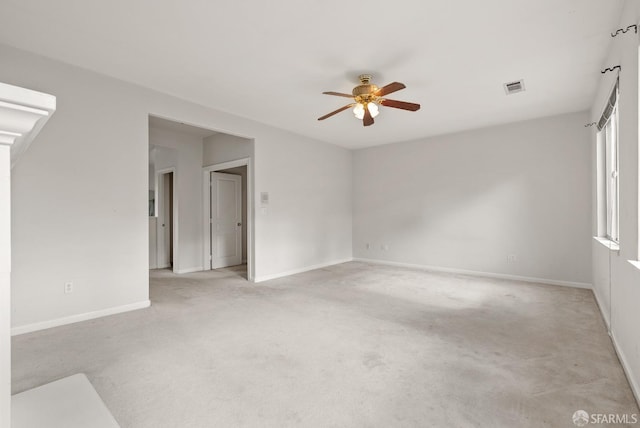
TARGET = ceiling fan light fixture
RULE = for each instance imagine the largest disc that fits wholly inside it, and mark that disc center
(373, 109)
(358, 110)
(368, 99)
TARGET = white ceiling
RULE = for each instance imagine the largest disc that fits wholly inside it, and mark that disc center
(270, 61)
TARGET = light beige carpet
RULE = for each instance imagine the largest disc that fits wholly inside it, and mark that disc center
(353, 345)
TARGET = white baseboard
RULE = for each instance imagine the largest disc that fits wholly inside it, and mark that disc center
(478, 273)
(599, 302)
(635, 388)
(300, 270)
(189, 270)
(79, 317)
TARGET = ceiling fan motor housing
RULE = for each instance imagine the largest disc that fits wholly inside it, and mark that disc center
(361, 90)
(364, 92)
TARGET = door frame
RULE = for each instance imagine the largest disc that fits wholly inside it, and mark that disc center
(159, 185)
(206, 198)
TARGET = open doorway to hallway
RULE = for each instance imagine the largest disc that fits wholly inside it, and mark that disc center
(180, 233)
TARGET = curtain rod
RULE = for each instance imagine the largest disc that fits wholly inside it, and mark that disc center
(622, 30)
(610, 69)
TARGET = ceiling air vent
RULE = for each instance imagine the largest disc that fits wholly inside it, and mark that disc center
(514, 87)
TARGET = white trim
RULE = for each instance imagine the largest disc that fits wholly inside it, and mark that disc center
(28, 328)
(635, 263)
(26, 112)
(58, 404)
(605, 316)
(206, 196)
(477, 273)
(635, 388)
(608, 243)
(226, 165)
(189, 270)
(301, 270)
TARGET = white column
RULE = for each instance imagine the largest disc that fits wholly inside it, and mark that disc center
(23, 113)
(5, 285)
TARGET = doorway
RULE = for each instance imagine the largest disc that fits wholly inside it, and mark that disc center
(166, 219)
(226, 213)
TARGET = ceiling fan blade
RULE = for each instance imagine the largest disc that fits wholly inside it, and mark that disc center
(368, 119)
(391, 87)
(338, 94)
(336, 111)
(400, 104)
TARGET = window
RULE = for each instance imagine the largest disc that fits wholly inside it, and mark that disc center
(608, 127)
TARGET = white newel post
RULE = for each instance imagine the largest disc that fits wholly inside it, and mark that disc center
(22, 114)
(5, 284)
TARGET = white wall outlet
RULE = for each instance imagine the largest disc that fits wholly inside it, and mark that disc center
(385, 247)
(68, 287)
(367, 246)
(512, 258)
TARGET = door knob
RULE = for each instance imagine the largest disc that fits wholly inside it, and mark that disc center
(239, 224)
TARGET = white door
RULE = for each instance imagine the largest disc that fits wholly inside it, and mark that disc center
(226, 220)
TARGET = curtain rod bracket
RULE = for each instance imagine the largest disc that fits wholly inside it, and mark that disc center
(622, 30)
(610, 69)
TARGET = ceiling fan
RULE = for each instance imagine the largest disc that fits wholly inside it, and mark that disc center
(368, 97)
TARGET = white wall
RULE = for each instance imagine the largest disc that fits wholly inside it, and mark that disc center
(153, 242)
(221, 148)
(612, 269)
(77, 197)
(152, 168)
(308, 222)
(80, 194)
(153, 262)
(183, 152)
(469, 200)
(309, 216)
